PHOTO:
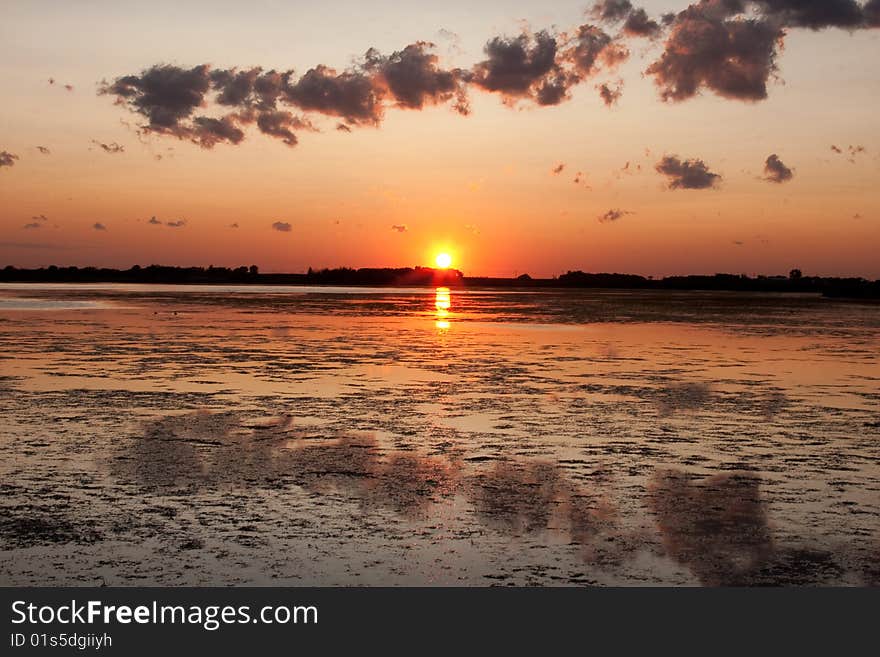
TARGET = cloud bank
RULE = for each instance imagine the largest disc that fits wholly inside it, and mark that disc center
(726, 47)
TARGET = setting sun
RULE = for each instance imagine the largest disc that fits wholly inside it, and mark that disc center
(443, 260)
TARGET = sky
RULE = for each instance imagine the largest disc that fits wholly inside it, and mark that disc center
(733, 136)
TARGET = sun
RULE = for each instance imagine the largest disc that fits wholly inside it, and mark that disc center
(443, 260)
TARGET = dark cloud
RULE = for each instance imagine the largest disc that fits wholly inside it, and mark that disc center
(639, 24)
(613, 215)
(111, 148)
(68, 87)
(636, 22)
(775, 171)
(40, 217)
(342, 127)
(33, 225)
(99, 226)
(400, 228)
(154, 221)
(687, 174)
(525, 66)
(558, 168)
(813, 14)
(611, 11)
(589, 43)
(730, 46)
(166, 95)
(413, 78)
(350, 94)
(233, 225)
(733, 58)
(609, 95)
(236, 88)
(836, 149)
(207, 131)
(282, 226)
(278, 123)
(43, 150)
(7, 159)
(871, 13)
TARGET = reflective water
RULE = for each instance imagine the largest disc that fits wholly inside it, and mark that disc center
(232, 435)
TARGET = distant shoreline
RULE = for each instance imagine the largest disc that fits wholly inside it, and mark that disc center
(832, 287)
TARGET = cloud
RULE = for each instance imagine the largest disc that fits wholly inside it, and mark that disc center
(775, 171)
(524, 66)
(687, 174)
(611, 11)
(40, 217)
(43, 150)
(610, 95)
(166, 95)
(154, 221)
(400, 228)
(233, 225)
(413, 78)
(68, 87)
(733, 58)
(589, 43)
(278, 123)
(99, 226)
(282, 226)
(639, 24)
(558, 168)
(613, 215)
(33, 225)
(207, 131)
(813, 14)
(836, 149)
(730, 46)
(871, 13)
(349, 94)
(636, 22)
(111, 148)
(179, 223)
(7, 159)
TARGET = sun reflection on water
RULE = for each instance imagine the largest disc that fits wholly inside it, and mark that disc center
(442, 304)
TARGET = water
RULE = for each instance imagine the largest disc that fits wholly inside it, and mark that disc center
(234, 435)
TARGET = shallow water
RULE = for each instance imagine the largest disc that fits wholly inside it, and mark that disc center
(234, 435)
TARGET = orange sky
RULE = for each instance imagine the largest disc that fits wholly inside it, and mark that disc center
(480, 186)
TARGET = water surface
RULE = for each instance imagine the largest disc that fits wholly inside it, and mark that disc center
(266, 435)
